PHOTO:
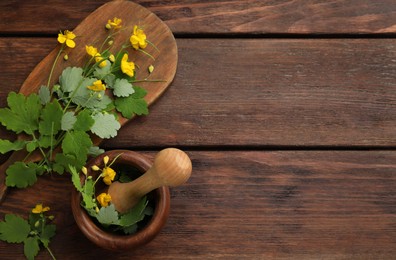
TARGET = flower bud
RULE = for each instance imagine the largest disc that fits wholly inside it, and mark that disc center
(97, 210)
(66, 57)
(99, 96)
(95, 168)
(89, 177)
(37, 223)
(84, 170)
(51, 217)
(150, 69)
(112, 58)
(110, 42)
(106, 159)
(108, 26)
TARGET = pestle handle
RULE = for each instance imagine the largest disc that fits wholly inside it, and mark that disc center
(172, 167)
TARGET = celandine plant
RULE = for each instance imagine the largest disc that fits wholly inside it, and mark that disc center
(100, 207)
(59, 122)
(32, 233)
(85, 101)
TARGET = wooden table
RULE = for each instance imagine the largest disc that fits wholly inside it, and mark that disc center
(287, 109)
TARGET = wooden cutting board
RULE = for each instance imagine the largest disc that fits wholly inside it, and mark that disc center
(91, 31)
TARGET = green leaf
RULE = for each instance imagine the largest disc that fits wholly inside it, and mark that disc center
(76, 143)
(31, 247)
(33, 218)
(148, 211)
(95, 151)
(102, 103)
(68, 120)
(108, 215)
(82, 95)
(21, 175)
(62, 162)
(100, 73)
(46, 141)
(105, 126)
(51, 118)
(124, 178)
(122, 88)
(47, 233)
(88, 99)
(109, 80)
(84, 121)
(71, 79)
(23, 113)
(134, 215)
(14, 229)
(89, 191)
(139, 92)
(130, 229)
(88, 202)
(129, 106)
(44, 95)
(31, 146)
(7, 146)
(75, 176)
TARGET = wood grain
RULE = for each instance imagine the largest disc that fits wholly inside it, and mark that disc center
(225, 16)
(275, 92)
(251, 204)
(256, 92)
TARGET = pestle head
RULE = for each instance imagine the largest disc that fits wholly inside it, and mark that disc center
(172, 167)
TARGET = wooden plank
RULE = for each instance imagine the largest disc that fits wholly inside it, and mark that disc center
(226, 16)
(275, 92)
(252, 205)
(260, 92)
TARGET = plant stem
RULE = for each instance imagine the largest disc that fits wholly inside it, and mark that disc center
(146, 53)
(153, 45)
(53, 65)
(146, 80)
(50, 252)
(72, 95)
(41, 149)
(52, 145)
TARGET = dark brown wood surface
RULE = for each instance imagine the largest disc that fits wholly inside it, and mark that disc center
(291, 134)
(340, 91)
(215, 17)
(253, 204)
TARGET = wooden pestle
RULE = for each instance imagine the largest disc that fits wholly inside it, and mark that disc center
(172, 167)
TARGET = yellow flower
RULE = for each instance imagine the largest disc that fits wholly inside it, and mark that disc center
(127, 67)
(138, 38)
(91, 50)
(40, 209)
(68, 38)
(104, 199)
(97, 86)
(116, 23)
(108, 175)
(100, 59)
